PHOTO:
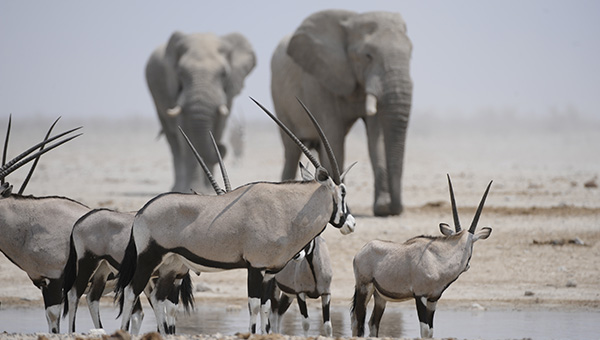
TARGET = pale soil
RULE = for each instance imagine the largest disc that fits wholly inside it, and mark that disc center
(538, 196)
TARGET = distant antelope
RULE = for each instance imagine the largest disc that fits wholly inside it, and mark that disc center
(308, 276)
(421, 268)
(259, 226)
(35, 230)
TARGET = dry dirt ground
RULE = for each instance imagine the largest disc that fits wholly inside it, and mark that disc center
(544, 205)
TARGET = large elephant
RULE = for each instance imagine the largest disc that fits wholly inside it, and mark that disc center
(347, 66)
(193, 80)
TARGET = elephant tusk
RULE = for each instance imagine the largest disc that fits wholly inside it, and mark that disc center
(223, 110)
(371, 104)
(174, 111)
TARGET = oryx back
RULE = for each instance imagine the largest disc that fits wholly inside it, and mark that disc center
(103, 233)
(240, 228)
(35, 232)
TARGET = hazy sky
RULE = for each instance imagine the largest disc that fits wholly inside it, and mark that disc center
(87, 58)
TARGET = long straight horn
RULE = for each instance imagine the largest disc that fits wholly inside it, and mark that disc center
(209, 175)
(6, 145)
(14, 165)
(330, 155)
(221, 164)
(454, 210)
(479, 209)
(304, 149)
(34, 165)
(33, 148)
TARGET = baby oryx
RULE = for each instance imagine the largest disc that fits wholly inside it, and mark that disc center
(421, 268)
(259, 226)
(308, 275)
(35, 232)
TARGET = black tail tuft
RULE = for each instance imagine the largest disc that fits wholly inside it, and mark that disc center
(353, 305)
(186, 293)
(69, 275)
(126, 271)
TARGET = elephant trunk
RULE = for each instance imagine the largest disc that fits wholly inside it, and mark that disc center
(394, 110)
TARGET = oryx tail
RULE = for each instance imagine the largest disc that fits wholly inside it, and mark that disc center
(126, 272)
(69, 274)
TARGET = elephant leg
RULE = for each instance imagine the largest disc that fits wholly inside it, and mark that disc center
(382, 199)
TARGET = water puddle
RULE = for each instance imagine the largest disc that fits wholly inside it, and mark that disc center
(398, 321)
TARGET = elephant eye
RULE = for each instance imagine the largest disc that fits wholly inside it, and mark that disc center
(369, 56)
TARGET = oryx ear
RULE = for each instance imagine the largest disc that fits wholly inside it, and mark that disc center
(445, 229)
(321, 174)
(343, 176)
(482, 234)
(304, 173)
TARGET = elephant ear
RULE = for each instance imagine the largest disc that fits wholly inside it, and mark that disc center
(241, 59)
(319, 47)
(173, 52)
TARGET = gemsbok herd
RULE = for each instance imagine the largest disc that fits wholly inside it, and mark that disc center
(271, 229)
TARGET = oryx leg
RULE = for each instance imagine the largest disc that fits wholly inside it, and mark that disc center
(425, 311)
(255, 294)
(301, 297)
(136, 317)
(325, 309)
(146, 263)
(274, 293)
(159, 299)
(265, 302)
(358, 313)
(85, 270)
(284, 303)
(52, 293)
(171, 304)
(376, 315)
(97, 290)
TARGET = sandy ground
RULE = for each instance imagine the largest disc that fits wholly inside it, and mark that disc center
(544, 194)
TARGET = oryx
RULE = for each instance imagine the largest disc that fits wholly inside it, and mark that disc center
(97, 247)
(98, 243)
(420, 268)
(259, 226)
(35, 232)
(309, 275)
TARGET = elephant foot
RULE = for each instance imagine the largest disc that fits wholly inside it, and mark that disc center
(383, 206)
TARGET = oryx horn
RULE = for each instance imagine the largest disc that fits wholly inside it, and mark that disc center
(6, 145)
(304, 149)
(34, 165)
(21, 159)
(330, 155)
(479, 209)
(214, 184)
(221, 164)
(454, 210)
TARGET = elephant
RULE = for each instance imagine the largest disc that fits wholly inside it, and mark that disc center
(193, 79)
(346, 66)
